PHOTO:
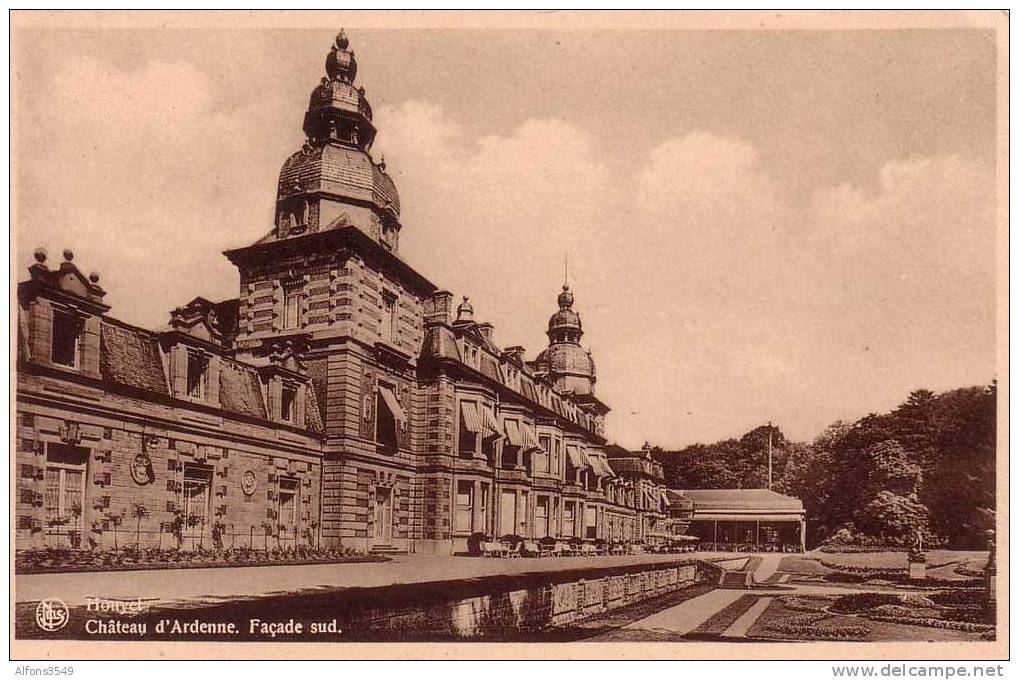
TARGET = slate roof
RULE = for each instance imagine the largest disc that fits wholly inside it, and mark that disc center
(130, 357)
(312, 412)
(240, 391)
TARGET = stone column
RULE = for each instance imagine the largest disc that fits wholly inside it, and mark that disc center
(477, 520)
(521, 512)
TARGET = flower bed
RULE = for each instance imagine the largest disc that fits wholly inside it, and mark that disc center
(810, 627)
(859, 602)
(863, 570)
(65, 560)
(933, 623)
(844, 549)
(807, 603)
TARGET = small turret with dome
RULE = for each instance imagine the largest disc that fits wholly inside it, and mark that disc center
(568, 364)
(333, 181)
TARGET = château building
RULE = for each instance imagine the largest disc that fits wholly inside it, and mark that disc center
(341, 399)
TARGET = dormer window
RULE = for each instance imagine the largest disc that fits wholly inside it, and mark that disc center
(198, 375)
(66, 338)
(288, 399)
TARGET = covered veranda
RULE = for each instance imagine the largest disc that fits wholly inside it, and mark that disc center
(747, 520)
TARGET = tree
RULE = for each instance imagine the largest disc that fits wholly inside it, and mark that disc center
(115, 519)
(138, 512)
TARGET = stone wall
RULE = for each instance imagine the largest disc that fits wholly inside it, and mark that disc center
(501, 608)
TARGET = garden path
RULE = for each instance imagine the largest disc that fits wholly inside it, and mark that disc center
(747, 619)
(690, 614)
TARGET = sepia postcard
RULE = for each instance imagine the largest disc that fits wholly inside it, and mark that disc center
(675, 335)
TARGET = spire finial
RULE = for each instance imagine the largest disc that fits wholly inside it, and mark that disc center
(566, 271)
(340, 63)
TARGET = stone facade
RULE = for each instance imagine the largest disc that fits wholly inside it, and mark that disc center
(338, 400)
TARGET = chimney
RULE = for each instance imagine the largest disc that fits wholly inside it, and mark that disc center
(485, 329)
(516, 353)
(438, 307)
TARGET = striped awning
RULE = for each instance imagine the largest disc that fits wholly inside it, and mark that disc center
(576, 457)
(393, 404)
(530, 439)
(491, 428)
(470, 417)
(513, 435)
(600, 465)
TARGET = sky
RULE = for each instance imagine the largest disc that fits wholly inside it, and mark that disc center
(785, 226)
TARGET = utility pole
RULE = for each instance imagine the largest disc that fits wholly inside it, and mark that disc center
(769, 455)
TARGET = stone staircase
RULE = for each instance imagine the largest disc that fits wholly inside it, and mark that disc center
(741, 579)
(386, 550)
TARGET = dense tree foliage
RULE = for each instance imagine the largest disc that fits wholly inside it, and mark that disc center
(926, 466)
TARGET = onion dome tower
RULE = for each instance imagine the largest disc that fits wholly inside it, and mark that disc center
(568, 364)
(332, 181)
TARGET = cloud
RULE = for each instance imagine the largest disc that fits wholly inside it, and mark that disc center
(711, 298)
(497, 215)
(142, 172)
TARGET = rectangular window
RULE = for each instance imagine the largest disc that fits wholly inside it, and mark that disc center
(64, 490)
(470, 427)
(66, 338)
(464, 506)
(590, 526)
(387, 328)
(568, 527)
(542, 459)
(288, 397)
(507, 512)
(288, 502)
(198, 371)
(556, 458)
(541, 516)
(292, 309)
(483, 508)
(197, 497)
(386, 418)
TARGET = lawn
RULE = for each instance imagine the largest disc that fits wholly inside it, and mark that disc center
(898, 560)
(941, 564)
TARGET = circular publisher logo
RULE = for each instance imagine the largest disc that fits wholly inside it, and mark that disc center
(52, 614)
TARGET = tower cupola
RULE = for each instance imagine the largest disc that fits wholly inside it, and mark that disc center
(332, 181)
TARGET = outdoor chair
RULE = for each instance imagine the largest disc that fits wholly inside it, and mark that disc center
(564, 549)
(530, 549)
(587, 550)
(493, 549)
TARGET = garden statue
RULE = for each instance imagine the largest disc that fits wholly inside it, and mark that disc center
(917, 559)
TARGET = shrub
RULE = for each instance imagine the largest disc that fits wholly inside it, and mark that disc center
(858, 602)
(956, 597)
(808, 627)
(933, 623)
(806, 603)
